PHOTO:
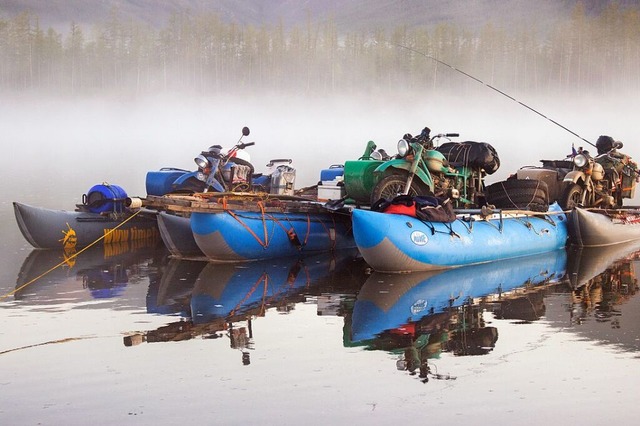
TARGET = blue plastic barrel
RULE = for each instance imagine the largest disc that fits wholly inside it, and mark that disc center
(160, 182)
(105, 198)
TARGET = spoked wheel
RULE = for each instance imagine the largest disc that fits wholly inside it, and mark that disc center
(571, 197)
(393, 185)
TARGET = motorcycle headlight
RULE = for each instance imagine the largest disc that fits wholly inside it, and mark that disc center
(375, 155)
(580, 160)
(403, 147)
(201, 161)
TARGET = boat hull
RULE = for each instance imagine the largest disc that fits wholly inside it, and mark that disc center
(62, 229)
(177, 236)
(240, 236)
(399, 243)
(591, 229)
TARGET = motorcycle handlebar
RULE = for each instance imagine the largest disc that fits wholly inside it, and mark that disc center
(244, 145)
(445, 135)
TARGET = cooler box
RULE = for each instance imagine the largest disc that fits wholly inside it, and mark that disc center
(330, 192)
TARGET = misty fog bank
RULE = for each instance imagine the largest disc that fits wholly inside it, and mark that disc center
(206, 54)
(73, 144)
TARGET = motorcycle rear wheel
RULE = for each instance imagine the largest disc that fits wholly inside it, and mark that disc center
(393, 185)
(571, 197)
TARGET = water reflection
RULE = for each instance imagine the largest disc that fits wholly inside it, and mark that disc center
(170, 291)
(100, 272)
(419, 316)
(415, 317)
(603, 281)
(222, 300)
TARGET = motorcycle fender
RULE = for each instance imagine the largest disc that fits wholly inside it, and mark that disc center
(401, 164)
(184, 178)
(574, 177)
(213, 183)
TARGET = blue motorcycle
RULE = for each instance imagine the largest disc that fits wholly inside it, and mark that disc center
(223, 172)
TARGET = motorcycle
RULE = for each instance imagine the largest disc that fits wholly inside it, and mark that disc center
(601, 181)
(224, 172)
(453, 170)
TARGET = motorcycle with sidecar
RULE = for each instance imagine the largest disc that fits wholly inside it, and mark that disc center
(581, 179)
(423, 166)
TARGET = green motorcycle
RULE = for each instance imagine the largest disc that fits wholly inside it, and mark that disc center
(453, 170)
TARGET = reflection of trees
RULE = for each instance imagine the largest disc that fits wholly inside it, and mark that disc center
(206, 54)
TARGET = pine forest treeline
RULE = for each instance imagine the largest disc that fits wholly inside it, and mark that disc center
(204, 54)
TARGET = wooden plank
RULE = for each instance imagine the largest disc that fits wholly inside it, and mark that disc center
(217, 202)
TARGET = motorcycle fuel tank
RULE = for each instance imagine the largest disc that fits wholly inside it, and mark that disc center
(436, 162)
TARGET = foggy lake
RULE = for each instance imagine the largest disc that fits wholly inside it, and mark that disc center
(130, 335)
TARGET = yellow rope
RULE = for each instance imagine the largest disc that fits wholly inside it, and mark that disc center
(69, 258)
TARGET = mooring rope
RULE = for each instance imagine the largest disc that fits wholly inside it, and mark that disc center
(73, 256)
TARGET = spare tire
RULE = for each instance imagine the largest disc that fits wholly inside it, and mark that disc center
(529, 194)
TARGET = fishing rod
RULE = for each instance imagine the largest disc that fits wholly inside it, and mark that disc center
(466, 74)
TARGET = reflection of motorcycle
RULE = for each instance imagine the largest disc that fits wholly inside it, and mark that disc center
(224, 172)
(601, 181)
(453, 170)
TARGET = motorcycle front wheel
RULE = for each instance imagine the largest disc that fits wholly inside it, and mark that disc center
(571, 197)
(393, 185)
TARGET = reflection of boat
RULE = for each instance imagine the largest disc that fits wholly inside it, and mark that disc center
(600, 227)
(387, 301)
(50, 229)
(227, 290)
(177, 236)
(605, 307)
(401, 243)
(171, 293)
(223, 295)
(102, 270)
(585, 263)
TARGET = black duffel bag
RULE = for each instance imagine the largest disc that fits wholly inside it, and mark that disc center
(472, 154)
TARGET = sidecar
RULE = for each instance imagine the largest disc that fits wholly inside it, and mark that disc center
(552, 172)
(359, 178)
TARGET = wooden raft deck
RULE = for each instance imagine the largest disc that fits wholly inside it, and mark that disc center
(216, 202)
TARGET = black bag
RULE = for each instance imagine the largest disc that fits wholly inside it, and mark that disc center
(469, 153)
(433, 209)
